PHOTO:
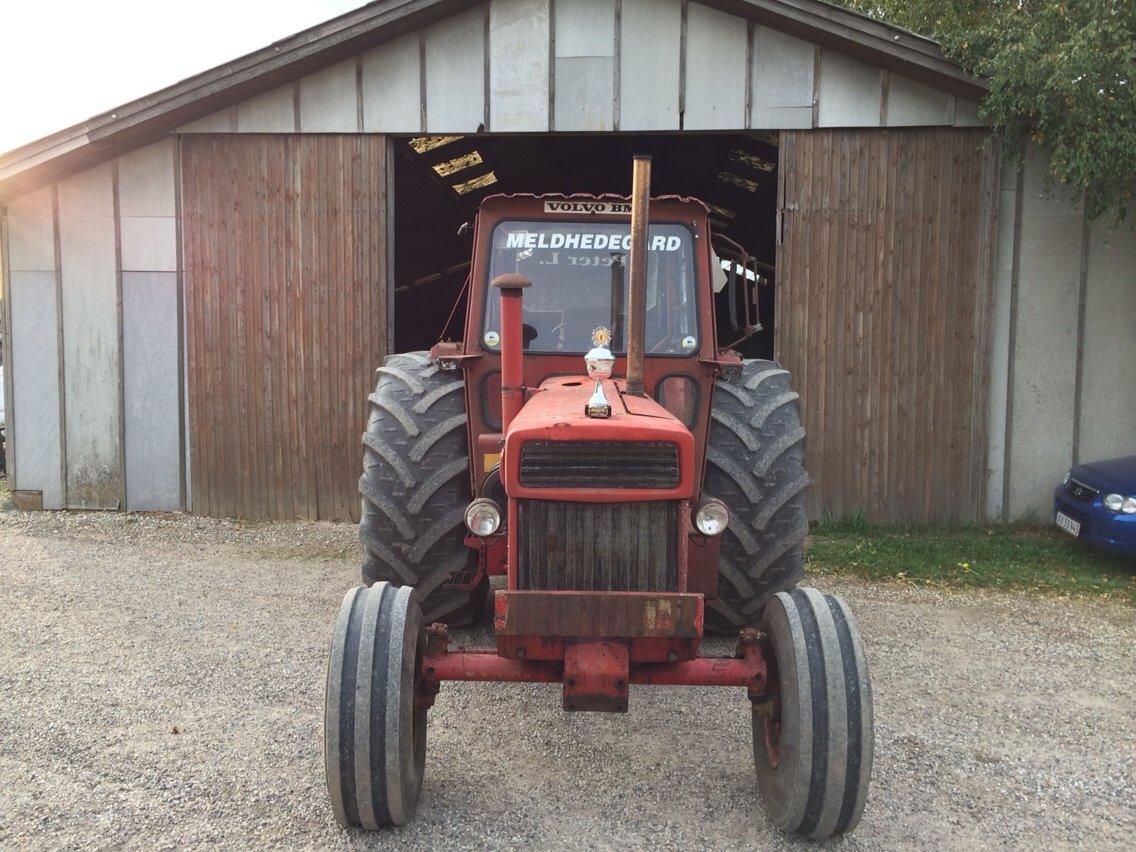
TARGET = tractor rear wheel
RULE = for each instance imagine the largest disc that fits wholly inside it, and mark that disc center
(415, 488)
(755, 465)
(374, 728)
(812, 738)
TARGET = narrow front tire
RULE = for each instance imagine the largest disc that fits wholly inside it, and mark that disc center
(374, 728)
(812, 740)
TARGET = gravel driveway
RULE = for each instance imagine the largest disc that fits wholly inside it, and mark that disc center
(161, 685)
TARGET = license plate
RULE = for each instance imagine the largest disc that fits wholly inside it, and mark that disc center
(1068, 524)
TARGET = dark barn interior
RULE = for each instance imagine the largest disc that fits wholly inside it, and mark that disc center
(441, 180)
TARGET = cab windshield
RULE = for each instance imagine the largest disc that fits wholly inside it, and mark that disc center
(579, 275)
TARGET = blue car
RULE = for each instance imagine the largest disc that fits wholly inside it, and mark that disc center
(1097, 503)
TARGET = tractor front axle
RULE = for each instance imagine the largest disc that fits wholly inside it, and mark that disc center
(595, 672)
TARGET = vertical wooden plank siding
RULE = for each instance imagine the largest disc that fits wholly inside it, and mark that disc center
(285, 264)
(883, 305)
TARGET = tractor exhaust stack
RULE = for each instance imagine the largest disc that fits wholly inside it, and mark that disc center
(637, 271)
(512, 289)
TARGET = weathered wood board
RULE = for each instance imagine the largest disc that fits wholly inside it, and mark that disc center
(283, 340)
(883, 304)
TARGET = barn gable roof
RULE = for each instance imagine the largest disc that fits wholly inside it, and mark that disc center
(146, 119)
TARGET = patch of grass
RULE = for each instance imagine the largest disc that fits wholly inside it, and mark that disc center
(1018, 556)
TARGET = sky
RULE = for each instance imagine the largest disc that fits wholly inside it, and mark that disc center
(63, 61)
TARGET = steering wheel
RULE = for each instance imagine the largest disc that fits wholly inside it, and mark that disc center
(565, 329)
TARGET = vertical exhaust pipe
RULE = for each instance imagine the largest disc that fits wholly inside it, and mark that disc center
(512, 287)
(637, 272)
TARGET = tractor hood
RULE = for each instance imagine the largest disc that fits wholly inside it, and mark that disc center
(627, 456)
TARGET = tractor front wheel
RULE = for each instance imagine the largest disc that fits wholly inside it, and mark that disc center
(374, 728)
(812, 733)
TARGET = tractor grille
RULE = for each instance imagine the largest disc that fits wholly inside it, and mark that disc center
(597, 547)
(601, 464)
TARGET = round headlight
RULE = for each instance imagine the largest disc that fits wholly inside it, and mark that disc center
(1129, 507)
(1113, 502)
(483, 517)
(711, 517)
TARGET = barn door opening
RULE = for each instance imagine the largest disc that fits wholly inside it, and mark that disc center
(441, 180)
(284, 241)
(885, 263)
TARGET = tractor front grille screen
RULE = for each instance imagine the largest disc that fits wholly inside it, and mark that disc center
(599, 464)
(597, 547)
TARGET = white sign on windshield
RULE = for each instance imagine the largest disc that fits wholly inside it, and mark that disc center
(586, 241)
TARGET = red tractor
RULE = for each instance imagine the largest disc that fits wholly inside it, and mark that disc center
(631, 482)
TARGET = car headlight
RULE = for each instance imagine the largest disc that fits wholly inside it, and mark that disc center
(711, 517)
(1068, 476)
(483, 517)
(1129, 507)
(1113, 502)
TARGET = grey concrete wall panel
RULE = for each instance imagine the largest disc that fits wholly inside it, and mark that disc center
(1000, 346)
(966, 114)
(782, 84)
(147, 204)
(911, 104)
(1007, 178)
(150, 389)
(1045, 344)
(849, 92)
(584, 93)
(392, 87)
(272, 112)
(90, 339)
(585, 65)
(1108, 389)
(35, 385)
(585, 28)
(518, 65)
(146, 179)
(224, 121)
(31, 232)
(650, 43)
(455, 73)
(149, 243)
(716, 47)
(329, 101)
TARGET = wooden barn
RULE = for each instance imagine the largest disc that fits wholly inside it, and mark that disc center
(199, 285)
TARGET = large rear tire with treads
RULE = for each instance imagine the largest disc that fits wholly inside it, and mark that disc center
(813, 738)
(415, 488)
(374, 728)
(755, 465)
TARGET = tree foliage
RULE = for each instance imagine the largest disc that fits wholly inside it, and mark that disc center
(1061, 73)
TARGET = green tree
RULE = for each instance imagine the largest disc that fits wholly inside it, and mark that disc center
(1061, 73)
